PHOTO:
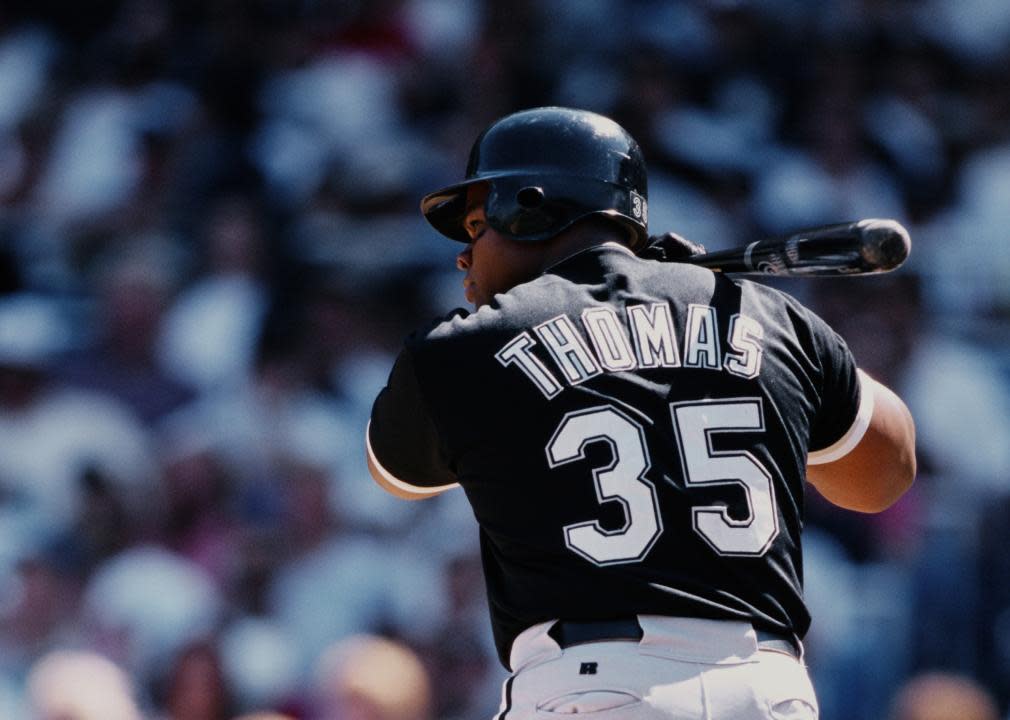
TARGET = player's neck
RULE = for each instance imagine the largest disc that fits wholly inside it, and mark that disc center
(577, 239)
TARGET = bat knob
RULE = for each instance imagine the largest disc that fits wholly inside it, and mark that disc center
(885, 244)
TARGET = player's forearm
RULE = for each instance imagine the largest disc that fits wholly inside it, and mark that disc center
(881, 468)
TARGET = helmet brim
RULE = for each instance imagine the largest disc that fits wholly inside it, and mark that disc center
(445, 209)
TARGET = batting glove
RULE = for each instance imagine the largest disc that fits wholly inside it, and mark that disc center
(670, 247)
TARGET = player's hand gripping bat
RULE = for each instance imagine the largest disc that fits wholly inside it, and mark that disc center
(854, 248)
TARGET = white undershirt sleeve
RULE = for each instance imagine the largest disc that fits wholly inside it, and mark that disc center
(420, 491)
(844, 445)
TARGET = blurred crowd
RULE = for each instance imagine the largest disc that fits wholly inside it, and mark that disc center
(211, 250)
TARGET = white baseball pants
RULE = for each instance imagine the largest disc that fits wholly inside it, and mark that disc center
(681, 669)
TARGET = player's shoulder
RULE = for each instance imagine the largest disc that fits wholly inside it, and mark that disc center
(458, 329)
(789, 313)
(521, 306)
(681, 281)
(764, 294)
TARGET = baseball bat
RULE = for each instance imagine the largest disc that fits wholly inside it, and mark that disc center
(853, 248)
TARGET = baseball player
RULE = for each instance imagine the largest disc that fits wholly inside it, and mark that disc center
(634, 437)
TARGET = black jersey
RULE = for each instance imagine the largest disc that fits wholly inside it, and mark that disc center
(632, 436)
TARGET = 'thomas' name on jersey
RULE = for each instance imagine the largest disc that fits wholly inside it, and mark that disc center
(644, 338)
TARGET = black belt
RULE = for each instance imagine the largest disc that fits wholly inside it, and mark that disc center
(567, 633)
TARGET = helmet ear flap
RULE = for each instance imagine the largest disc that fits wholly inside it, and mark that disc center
(532, 209)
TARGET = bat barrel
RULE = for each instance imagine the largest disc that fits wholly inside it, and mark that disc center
(853, 248)
(886, 244)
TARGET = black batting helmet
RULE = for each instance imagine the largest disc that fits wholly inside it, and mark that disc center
(546, 168)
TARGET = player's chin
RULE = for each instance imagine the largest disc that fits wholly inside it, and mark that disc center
(474, 296)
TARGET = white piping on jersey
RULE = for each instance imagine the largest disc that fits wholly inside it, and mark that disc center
(615, 244)
(851, 438)
(666, 588)
(395, 481)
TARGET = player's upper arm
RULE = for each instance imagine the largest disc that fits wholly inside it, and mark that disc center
(405, 454)
(394, 485)
(873, 464)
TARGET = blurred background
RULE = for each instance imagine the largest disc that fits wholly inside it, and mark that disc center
(211, 249)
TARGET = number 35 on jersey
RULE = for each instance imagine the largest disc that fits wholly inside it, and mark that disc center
(625, 479)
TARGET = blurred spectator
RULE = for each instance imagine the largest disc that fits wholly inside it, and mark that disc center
(251, 420)
(976, 30)
(259, 661)
(135, 284)
(353, 584)
(51, 436)
(319, 112)
(460, 656)
(991, 564)
(198, 516)
(971, 283)
(196, 687)
(832, 176)
(12, 702)
(74, 685)
(371, 678)
(26, 56)
(941, 696)
(38, 612)
(95, 162)
(959, 393)
(210, 332)
(142, 606)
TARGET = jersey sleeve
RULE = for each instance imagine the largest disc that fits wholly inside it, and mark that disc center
(844, 410)
(402, 441)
